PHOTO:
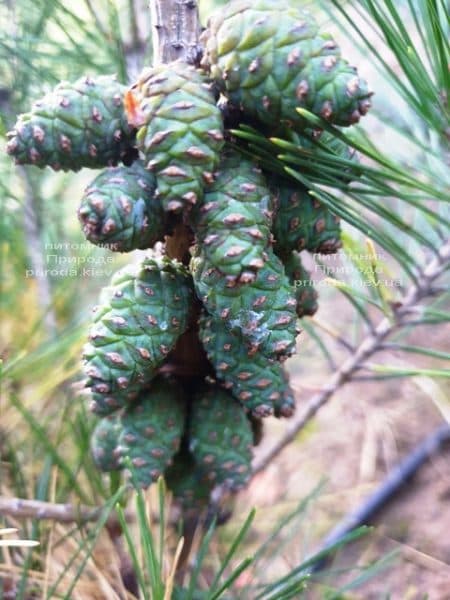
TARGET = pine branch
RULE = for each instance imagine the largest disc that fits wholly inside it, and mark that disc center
(386, 491)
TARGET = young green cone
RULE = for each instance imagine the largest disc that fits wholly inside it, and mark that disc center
(181, 133)
(152, 428)
(269, 58)
(260, 385)
(301, 222)
(77, 125)
(142, 315)
(104, 442)
(262, 312)
(119, 209)
(187, 482)
(220, 437)
(232, 226)
(303, 286)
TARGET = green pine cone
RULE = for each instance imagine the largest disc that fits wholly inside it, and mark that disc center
(182, 134)
(262, 311)
(270, 59)
(152, 428)
(77, 125)
(301, 222)
(104, 442)
(259, 384)
(303, 286)
(233, 224)
(187, 482)
(119, 209)
(220, 437)
(142, 315)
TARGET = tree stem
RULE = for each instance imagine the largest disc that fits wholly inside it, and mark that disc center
(176, 31)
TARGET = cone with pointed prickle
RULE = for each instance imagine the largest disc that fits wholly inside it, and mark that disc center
(303, 286)
(262, 311)
(119, 209)
(220, 437)
(152, 428)
(301, 222)
(260, 385)
(187, 482)
(232, 226)
(77, 125)
(104, 442)
(181, 131)
(141, 316)
(270, 58)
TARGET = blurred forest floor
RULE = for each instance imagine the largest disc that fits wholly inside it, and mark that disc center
(353, 442)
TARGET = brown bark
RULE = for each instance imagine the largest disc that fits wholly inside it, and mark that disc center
(176, 31)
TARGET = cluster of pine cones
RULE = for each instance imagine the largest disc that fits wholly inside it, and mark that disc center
(239, 292)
